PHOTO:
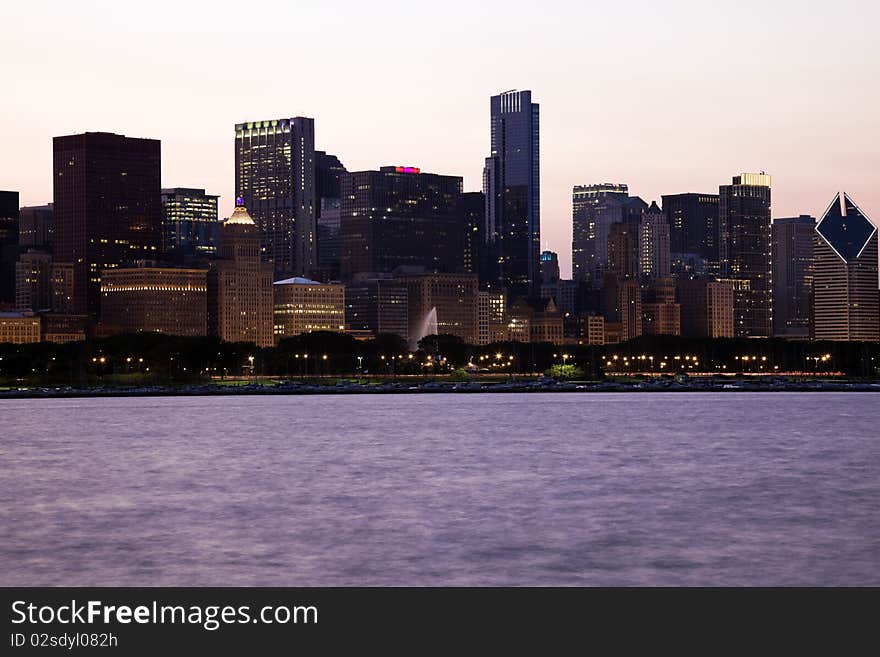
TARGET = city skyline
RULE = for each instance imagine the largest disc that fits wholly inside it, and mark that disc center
(787, 121)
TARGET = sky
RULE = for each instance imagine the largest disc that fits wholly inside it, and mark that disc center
(667, 97)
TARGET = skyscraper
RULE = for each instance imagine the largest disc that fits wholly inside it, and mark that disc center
(474, 209)
(654, 244)
(693, 227)
(511, 183)
(594, 209)
(240, 291)
(793, 275)
(108, 207)
(845, 280)
(745, 252)
(401, 217)
(8, 244)
(190, 221)
(275, 176)
(328, 180)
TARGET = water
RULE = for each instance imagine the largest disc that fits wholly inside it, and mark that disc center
(483, 489)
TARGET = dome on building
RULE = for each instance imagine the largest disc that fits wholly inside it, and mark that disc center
(240, 215)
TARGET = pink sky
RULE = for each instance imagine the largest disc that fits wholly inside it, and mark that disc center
(665, 96)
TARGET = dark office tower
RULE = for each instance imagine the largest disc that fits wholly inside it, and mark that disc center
(328, 173)
(594, 209)
(8, 245)
(845, 280)
(400, 217)
(190, 222)
(474, 209)
(745, 252)
(108, 207)
(36, 226)
(622, 250)
(275, 177)
(511, 182)
(549, 267)
(693, 227)
(793, 275)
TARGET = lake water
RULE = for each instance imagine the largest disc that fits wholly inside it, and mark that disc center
(442, 489)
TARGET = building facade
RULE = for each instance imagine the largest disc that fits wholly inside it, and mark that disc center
(654, 244)
(442, 304)
(33, 281)
(275, 178)
(155, 300)
(240, 290)
(328, 190)
(19, 327)
(107, 207)
(846, 301)
(190, 220)
(693, 227)
(793, 276)
(303, 305)
(400, 217)
(511, 184)
(36, 226)
(491, 317)
(8, 245)
(595, 209)
(706, 308)
(746, 252)
(377, 306)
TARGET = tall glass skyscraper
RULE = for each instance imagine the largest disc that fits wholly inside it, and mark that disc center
(745, 252)
(275, 178)
(511, 183)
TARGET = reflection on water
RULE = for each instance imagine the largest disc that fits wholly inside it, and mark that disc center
(511, 489)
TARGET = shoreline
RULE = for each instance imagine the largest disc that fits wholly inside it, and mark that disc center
(287, 388)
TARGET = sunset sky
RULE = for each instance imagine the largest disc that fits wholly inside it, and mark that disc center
(665, 96)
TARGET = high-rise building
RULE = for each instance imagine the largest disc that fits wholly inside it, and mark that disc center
(511, 183)
(8, 245)
(155, 299)
(275, 176)
(623, 250)
(745, 252)
(654, 244)
(706, 308)
(661, 315)
(328, 190)
(36, 226)
(693, 227)
(303, 305)
(377, 305)
(442, 304)
(623, 305)
(33, 281)
(190, 221)
(845, 279)
(474, 210)
(491, 317)
(793, 275)
(549, 267)
(595, 208)
(401, 217)
(240, 294)
(108, 207)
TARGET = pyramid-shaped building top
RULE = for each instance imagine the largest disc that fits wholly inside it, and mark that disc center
(845, 228)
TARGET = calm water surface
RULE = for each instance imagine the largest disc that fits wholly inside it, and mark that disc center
(506, 489)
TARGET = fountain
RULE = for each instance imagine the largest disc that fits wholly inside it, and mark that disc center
(428, 326)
